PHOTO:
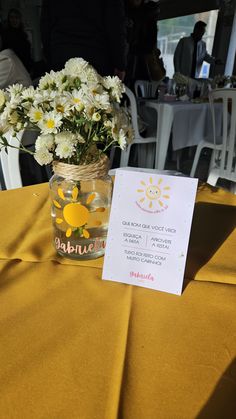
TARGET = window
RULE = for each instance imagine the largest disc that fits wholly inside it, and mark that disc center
(171, 30)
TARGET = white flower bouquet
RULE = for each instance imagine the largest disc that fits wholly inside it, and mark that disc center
(181, 79)
(219, 81)
(76, 112)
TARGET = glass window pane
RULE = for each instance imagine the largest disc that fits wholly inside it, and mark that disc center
(171, 30)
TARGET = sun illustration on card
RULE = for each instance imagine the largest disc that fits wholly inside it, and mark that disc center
(153, 196)
(73, 213)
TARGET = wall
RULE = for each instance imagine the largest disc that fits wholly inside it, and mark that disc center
(175, 8)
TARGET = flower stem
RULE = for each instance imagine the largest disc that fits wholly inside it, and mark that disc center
(21, 147)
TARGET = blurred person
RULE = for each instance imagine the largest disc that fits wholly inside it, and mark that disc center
(15, 37)
(191, 52)
(12, 70)
(144, 58)
(92, 29)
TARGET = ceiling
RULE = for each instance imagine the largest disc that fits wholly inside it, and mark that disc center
(175, 8)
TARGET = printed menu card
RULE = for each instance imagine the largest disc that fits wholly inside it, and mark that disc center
(149, 230)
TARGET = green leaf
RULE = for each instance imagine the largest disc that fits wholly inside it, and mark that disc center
(4, 141)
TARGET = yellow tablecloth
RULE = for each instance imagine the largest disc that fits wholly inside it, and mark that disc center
(74, 346)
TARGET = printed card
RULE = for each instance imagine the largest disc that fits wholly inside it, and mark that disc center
(149, 230)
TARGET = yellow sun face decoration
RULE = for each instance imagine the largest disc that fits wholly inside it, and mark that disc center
(154, 195)
(74, 214)
(153, 192)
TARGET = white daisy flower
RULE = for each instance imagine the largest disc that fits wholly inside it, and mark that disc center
(48, 81)
(102, 101)
(62, 105)
(44, 97)
(15, 89)
(14, 92)
(35, 114)
(65, 149)
(75, 66)
(42, 156)
(65, 137)
(122, 139)
(27, 97)
(44, 141)
(61, 80)
(77, 99)
(28, 93)
(94, 88)
(90, 76)
(41, 97)
(50, 123)
(89, 102)
(115, 86)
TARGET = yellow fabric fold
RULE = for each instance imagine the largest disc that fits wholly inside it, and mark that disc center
(74, 346)
(212, 246)
(26, 232)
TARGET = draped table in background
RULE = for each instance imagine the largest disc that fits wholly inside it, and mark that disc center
(188, 122)
(74, 346)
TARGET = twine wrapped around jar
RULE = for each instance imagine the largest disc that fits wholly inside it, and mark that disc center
(89, 171)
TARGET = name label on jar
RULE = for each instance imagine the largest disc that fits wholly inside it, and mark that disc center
(78, 248)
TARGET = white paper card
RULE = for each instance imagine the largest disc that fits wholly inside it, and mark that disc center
(149, 230)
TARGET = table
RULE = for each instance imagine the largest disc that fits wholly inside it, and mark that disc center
(76, 347)
(189, 123)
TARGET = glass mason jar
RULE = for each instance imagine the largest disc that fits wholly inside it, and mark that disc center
(80, 209)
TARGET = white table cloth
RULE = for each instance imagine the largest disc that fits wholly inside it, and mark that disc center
(189, 123)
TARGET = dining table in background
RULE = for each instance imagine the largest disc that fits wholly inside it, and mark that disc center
(76, 347)
(188, 122)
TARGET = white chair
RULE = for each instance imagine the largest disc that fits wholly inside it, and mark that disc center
(10, 162)
(225, 166)
(146, 154)
(222, 163)
(146, 89)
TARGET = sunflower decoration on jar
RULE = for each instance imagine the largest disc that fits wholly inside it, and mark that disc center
(74, 216)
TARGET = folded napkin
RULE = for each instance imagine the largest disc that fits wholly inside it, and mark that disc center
(184, 98)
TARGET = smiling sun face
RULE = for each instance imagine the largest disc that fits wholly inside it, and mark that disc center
(154, 194)
(74, 214)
